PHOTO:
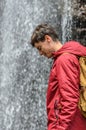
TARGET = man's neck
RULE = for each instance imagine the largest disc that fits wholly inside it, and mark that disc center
(57, 46)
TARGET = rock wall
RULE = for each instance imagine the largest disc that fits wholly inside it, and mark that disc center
(79, 21)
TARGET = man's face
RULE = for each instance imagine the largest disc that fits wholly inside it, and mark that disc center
(44, 48)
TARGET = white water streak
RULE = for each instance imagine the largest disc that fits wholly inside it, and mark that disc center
(66, 20)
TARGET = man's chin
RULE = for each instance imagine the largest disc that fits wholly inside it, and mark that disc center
(48, 56)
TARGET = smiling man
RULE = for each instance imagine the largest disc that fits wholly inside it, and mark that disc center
(63, 85)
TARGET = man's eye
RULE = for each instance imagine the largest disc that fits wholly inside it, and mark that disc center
(39, 48)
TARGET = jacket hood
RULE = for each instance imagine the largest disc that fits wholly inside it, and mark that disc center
(72, 47)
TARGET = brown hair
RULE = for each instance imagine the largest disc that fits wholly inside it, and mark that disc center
(40, 32)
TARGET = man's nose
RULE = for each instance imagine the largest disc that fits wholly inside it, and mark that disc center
(40, 52)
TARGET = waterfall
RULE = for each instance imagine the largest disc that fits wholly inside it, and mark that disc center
(23, 73)
(67, 21)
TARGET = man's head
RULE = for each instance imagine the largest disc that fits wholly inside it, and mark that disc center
(44, 38)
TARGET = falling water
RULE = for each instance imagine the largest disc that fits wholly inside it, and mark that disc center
(67, 20)
(23, 73)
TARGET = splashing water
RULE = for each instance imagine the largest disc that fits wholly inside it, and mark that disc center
(23, 73)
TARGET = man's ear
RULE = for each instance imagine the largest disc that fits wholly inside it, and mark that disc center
(48, 38)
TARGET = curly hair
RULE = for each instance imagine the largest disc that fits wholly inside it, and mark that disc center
(40, 32)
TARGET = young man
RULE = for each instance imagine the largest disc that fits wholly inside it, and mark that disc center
(63, 86)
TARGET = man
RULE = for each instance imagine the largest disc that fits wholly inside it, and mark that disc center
(63, 86)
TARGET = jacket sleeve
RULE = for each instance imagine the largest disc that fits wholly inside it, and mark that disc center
(67, 69)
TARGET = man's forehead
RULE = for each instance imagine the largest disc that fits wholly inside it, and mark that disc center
(38, 43)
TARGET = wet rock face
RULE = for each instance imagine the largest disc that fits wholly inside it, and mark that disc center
(79, 22)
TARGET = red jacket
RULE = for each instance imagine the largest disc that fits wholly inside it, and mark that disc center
(63, 89)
